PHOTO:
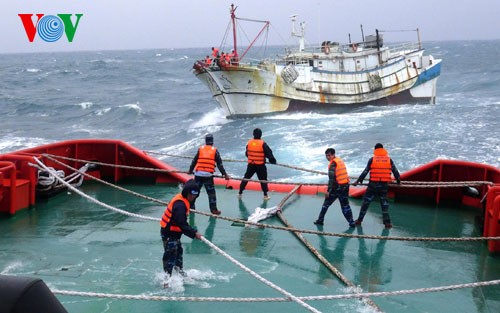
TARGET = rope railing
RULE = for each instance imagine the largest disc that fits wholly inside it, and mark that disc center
(395, 238)
(405, 184)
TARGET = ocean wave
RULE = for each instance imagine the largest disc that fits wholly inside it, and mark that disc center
(85, 105)
(12, 267)
(213, 120)
(133, 106)
(12, 143)
(103, 111)
(106, 61)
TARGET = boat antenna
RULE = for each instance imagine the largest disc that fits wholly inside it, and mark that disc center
(419, 41)
(233, 20)
(362, 33)
(301, 34)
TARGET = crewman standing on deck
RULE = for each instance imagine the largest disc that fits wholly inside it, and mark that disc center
(257, 151)
(173, 224)
(204, 162)
(215, 52)
(380, 167)
(338, 187)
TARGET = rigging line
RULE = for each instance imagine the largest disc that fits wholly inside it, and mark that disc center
(251, 20)
(440, 239)
(398, 31)
(320, 257)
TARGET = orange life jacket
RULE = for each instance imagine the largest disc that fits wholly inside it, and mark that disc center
(215, 51)
(167, 215)
(340, 171)
(380, 169)
(206, 159)
(255, 151)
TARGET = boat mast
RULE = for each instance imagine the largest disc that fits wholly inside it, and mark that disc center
(301, 34)
(233, 20)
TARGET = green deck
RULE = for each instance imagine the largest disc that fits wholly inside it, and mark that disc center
(74, 244)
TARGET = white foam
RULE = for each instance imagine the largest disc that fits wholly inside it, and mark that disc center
(85, 105)
(103, 111)
(16, 143)
(134, 106)
(183, 146)
(194, 277)
(214, 118)
(296, 116)
(11, 267)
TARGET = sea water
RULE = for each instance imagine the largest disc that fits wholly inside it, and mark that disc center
(152, 100)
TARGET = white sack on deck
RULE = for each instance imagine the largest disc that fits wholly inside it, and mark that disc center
(261, 214)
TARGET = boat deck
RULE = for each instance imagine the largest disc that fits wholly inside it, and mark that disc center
(74, 244)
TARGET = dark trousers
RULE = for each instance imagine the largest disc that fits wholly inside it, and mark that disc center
(374, 189)
(342, 193)
(261, 171)
(172, 255)
(208, 182)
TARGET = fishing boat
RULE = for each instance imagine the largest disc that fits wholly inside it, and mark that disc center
(327, 77)
(96, 244)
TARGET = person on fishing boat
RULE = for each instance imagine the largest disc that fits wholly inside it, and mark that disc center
(204, 162)
(338, 187)
(208, 61)
(215, 52)
(257, 151)
(380, 167)
(174, 224)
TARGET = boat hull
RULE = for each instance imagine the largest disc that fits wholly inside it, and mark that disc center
(248, 91)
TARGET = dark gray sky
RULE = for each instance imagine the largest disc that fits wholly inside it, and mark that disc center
(144, 24)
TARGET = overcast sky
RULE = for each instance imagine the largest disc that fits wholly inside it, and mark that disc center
(145, 24)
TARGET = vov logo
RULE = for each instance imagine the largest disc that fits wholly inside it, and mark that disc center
(50, 28)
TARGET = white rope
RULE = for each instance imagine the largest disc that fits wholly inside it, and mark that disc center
(289, 295)
(305, 231)
(308, 298)
(262, 279)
